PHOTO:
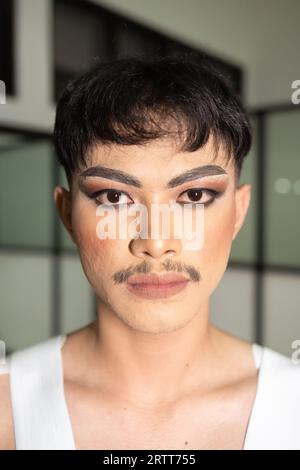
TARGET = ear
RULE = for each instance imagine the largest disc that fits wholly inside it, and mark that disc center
(63, 202)
(242, 202)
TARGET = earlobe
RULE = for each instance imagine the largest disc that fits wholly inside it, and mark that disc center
(62, 198)
(242, 203)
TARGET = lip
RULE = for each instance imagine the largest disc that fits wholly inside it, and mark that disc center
(156, 278)
(156, 286)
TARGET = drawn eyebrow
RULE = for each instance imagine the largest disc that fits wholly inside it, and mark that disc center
(126, 178)
(111, 174)
(196, 173)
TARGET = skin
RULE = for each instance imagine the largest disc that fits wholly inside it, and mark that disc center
(156, 373)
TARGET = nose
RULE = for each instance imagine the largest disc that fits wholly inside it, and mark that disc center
(158, 249)
(156, 243)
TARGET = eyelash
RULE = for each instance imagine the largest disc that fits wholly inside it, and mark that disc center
(214, 194)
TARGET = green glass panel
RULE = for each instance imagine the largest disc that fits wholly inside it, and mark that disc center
(282, 234)
(25, 195)
(244, 245)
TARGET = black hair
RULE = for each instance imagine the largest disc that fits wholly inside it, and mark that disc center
(134, 100)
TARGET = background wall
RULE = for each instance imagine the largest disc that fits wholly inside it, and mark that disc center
(42, 287)
(261, 36)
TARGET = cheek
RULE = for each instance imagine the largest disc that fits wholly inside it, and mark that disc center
(218, 233)
(97, 256)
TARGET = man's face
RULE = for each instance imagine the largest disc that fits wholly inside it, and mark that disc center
(108, 263)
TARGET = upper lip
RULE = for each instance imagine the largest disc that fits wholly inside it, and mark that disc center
(154, 278)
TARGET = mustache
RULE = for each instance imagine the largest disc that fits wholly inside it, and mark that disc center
(146, 267)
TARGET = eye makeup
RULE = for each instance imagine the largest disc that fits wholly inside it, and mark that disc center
(206, 193)
(111, 196)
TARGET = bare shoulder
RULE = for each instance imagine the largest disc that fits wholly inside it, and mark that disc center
(7, 437)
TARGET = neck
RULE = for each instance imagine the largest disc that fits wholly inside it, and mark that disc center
(148, 368)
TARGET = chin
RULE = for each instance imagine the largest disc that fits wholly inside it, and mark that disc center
(156, 320)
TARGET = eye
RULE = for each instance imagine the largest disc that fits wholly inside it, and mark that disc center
(110, 197)
(200, 196)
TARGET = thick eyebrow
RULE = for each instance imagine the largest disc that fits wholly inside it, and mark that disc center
(196, 173)
(111, 174)
(126, 178)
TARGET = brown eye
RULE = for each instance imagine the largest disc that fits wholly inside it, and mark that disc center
(199, 195)
(195, 194)
(111, 197)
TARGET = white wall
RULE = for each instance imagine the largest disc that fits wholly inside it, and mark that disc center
(261, 35)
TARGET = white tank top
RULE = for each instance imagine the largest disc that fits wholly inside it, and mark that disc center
(41, 418)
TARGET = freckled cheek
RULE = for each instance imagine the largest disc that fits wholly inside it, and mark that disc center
(84, 226)
(218, 232)
(100, 258)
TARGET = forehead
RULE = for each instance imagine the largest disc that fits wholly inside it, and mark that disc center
(158, 161)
